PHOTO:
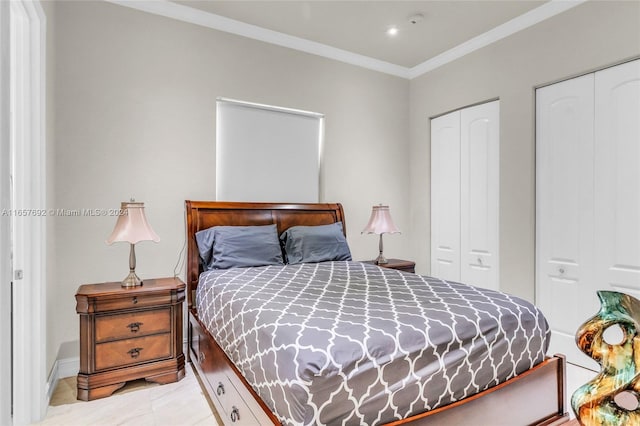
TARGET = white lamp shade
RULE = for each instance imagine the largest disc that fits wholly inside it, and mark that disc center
(132, 226)
(380, 222)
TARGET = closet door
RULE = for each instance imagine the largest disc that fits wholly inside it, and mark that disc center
(445, 196)
(617, 178)
(479, 194)
(564, 210)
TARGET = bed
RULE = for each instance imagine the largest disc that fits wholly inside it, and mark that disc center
(336, 377)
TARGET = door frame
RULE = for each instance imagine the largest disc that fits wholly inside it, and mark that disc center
(5, 220)
(30, 390)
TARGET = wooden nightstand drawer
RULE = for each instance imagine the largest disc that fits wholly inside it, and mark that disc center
(130, 302)
(135, 324)
(132, 351)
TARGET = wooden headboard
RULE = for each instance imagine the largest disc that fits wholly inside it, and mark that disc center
(205, 214)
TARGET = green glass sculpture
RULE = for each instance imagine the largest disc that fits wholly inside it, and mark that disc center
(595, 402)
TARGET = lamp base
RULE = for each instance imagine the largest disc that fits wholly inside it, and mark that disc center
(132, 280)
(381, 260)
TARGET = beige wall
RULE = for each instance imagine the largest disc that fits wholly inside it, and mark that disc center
(134, 112)
(590, 36)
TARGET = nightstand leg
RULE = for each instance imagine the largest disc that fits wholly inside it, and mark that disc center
(86, 394)
(163, 379)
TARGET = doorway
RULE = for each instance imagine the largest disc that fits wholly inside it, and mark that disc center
(23, 384)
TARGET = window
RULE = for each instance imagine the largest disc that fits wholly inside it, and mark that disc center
(267, 153)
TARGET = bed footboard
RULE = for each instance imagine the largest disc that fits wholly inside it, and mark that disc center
(536, 397)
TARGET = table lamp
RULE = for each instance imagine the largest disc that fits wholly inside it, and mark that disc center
(380, 223)
(132, 227)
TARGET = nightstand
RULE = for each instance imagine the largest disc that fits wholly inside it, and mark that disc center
(128, 334)
(399, 264)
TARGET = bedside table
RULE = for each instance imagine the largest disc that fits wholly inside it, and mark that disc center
(399, 264)
(129, 333)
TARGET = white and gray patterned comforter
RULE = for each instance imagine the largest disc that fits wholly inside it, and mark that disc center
(352, 343)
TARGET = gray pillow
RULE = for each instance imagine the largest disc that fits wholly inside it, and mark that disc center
(204, 241)
(311, 244)
(223, 247)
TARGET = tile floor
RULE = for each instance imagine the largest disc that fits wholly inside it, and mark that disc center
(181, 403)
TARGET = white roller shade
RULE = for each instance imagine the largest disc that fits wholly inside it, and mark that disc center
(266, 153)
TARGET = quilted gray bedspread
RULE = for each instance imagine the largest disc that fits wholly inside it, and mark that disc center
(352, 343)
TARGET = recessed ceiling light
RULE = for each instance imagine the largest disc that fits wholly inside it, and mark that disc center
(391, 31)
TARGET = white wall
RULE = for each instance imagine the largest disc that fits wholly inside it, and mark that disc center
(592, 35)
(134, 115)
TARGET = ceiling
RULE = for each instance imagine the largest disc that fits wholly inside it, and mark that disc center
(360, 26)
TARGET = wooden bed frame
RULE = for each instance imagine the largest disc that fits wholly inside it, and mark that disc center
(536, 397)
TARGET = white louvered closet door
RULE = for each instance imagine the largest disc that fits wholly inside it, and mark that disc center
(588, 198)
(617, 178)
(479, 195)
(564, 205)
(445, 196)
(465, 154)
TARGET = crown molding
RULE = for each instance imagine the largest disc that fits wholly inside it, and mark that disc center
(210, 20)
(519, 23)
(221, 23)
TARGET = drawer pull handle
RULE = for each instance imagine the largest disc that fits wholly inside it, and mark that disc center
(235, 414)
(135, 300)
(220, 390)
(135, 352)
(134, 326)
(202, 357)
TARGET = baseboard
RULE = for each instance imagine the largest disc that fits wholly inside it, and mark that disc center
(52, 382)
(68, 367)
(62, 368)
